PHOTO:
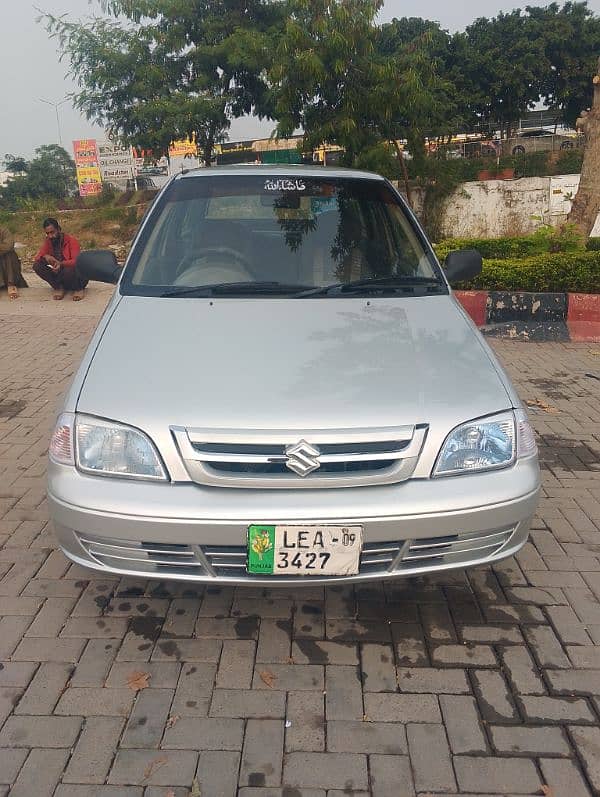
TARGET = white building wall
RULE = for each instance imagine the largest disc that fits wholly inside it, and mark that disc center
(495, 208)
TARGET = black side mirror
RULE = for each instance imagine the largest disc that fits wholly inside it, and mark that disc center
(462, 265)
(99, 265)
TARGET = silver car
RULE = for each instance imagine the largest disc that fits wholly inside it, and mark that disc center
(283, 390)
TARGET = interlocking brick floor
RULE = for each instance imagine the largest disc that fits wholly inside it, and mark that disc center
(477, 683)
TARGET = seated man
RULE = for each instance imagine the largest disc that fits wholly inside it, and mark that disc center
(10, 265)
(55, 262)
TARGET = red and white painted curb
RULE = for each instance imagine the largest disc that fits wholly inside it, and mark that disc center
(534, 316)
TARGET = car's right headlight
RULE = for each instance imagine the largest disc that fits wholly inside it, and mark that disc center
(105, 448)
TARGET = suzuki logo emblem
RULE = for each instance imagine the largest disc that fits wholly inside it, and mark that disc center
(302, 458)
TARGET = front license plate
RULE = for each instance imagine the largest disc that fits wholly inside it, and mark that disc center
(304, 550)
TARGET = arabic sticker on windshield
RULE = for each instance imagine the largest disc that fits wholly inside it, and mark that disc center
(284, 184)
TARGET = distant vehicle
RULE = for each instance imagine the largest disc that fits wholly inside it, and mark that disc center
(143, 183)
(540, 140)
(152, 170)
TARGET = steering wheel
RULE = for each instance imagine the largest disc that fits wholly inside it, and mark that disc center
(195, 270)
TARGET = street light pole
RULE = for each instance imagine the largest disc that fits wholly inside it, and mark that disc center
(56, 106)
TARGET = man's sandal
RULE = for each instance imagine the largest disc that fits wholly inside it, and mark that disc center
(13, 293)
(77, 296)
(58, 294)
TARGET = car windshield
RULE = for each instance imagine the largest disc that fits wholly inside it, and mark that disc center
(272, 234)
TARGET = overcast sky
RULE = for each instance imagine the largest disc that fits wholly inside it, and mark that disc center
(30, 69)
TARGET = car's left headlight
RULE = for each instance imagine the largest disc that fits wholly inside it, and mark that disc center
(105, 448)
(486, 444)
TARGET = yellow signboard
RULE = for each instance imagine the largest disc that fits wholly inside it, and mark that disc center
(89, 180)
(183, 149)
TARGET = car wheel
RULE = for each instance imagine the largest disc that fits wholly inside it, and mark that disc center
(518, 150)
(566, 145)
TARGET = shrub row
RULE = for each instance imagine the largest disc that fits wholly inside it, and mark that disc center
(545, 239)
(494, 248)
(530, 164)
(574, 272)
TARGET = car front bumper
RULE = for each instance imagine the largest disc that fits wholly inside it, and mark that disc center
(188, 532)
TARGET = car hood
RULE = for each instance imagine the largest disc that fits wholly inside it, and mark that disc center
(277, 363)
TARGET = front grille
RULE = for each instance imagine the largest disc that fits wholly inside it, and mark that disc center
(145, 557)
(344, 458)
(378, 559)
(273, 469)
(455, 549)
(227, 561)
(230, 561)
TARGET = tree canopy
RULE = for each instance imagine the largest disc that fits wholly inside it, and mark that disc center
(154, 71)
(51, 173)
(163, 70)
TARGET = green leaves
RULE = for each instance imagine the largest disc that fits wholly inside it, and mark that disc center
(163, 70)
(577, 272)
(50, 174)
(333, 77)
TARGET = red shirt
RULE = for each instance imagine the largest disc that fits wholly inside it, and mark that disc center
(70, 250)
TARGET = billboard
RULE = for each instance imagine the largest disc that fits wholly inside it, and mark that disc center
(183, 149)
(89, 179)
(115, 161)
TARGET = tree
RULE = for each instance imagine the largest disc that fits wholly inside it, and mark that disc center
(334, 77)
(586, 203)
(51, 174)
(503, 67)
(571, 41)
(448, 108)
(15, 164)
(170, 69)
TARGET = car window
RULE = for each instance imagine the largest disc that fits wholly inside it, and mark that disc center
(306, 231)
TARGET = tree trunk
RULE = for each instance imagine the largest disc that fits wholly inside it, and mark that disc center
(400, 155)
(207, 151)
(586, 203)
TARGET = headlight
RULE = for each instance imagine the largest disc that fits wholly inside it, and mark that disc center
(486, 444)
(105, 448)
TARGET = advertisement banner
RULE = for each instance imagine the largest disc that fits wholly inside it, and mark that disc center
(89, 180)
(85, 152)
(183, 149)
(115, 161)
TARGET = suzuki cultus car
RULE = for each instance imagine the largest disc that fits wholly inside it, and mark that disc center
(283, 390)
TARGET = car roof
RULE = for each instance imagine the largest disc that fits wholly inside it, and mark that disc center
(536, 131)
(285, 170)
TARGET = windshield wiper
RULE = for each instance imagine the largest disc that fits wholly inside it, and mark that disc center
(236, 288)
(400, 283)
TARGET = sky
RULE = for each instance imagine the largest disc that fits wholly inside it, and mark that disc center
(31, 70)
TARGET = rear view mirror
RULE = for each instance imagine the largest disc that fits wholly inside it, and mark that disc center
(462, 265)
(99, 265)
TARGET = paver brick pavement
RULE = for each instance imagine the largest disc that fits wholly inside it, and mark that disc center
(484, 682)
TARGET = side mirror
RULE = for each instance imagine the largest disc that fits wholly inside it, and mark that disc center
(462, 265)
(99, 265)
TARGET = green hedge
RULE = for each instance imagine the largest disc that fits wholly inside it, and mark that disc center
(494, 248)
(576, 272)
(545, 239)
(593, 244)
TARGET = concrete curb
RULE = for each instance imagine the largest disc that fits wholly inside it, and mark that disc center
(534, 316)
